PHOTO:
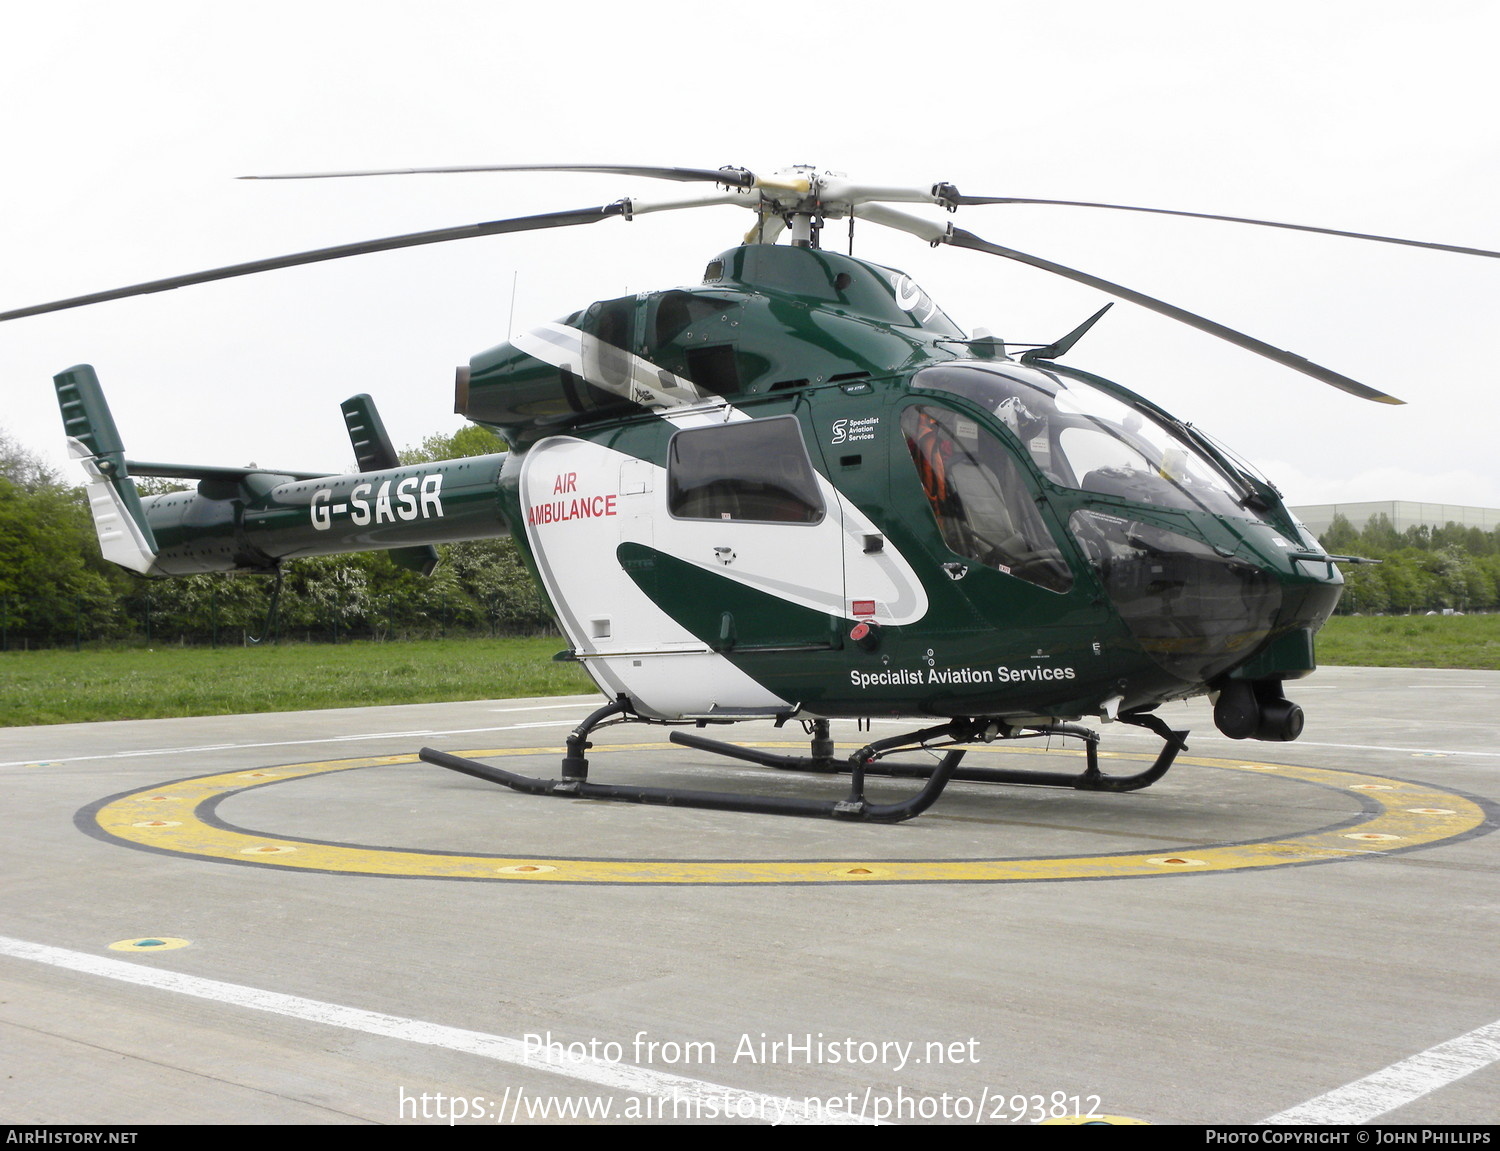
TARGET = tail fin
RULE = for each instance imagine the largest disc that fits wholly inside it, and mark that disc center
(374, 452)
(119, 520)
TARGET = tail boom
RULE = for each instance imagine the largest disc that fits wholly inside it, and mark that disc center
(250, 519)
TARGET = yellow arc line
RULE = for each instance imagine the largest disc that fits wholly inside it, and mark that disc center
(166, 818)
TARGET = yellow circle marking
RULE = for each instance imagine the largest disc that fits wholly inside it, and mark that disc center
(1094, 1120)
(861, 871)
(150, 943)
(1392, 822)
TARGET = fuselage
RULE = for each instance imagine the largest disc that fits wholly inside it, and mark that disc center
(804, 489)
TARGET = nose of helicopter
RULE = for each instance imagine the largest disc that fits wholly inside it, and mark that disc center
(1207, 612)
(1250, 699)
(1311, 585)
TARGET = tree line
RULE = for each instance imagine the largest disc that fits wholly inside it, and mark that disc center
(56, 589)
(1421, 569)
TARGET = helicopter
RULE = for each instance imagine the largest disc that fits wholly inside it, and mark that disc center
(797, 491)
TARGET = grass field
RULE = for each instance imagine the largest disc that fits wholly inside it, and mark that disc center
(137, 683)
(1471, 641)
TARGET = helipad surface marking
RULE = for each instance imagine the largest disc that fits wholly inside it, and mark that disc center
(1399, 816)
(706, 1098)
(1400, 1083)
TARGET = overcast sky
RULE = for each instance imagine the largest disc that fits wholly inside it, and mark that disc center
(126, 123)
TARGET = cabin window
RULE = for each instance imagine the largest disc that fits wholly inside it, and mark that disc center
(755, 470)
(1082, 437)
(982, 505)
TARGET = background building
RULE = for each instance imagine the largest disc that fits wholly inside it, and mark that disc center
(1403, 514)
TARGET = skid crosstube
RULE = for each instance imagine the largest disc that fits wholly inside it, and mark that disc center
(575, 784)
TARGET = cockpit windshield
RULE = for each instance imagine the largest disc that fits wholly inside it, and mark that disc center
(1082, 437)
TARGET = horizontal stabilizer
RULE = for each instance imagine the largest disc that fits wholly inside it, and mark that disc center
(214, 472)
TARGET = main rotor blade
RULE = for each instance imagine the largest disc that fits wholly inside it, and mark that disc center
(961, 200)
(734, 177)
(410, 240)
(935, 234)
(962, 239)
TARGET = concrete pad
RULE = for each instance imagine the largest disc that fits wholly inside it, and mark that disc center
(1215, 996)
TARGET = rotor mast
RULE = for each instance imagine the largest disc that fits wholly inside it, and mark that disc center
(794, 196)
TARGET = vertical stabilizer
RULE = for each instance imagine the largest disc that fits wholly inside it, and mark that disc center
(374, 452)
(119, 520)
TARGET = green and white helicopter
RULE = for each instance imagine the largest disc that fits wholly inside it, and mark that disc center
(797, 491)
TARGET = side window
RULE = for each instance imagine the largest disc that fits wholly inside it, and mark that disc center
(983, 507)
(754, 470)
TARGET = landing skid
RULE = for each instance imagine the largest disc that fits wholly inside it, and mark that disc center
(574, 783)
(1090, 779)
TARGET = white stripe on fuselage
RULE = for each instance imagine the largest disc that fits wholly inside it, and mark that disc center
(578, 352)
